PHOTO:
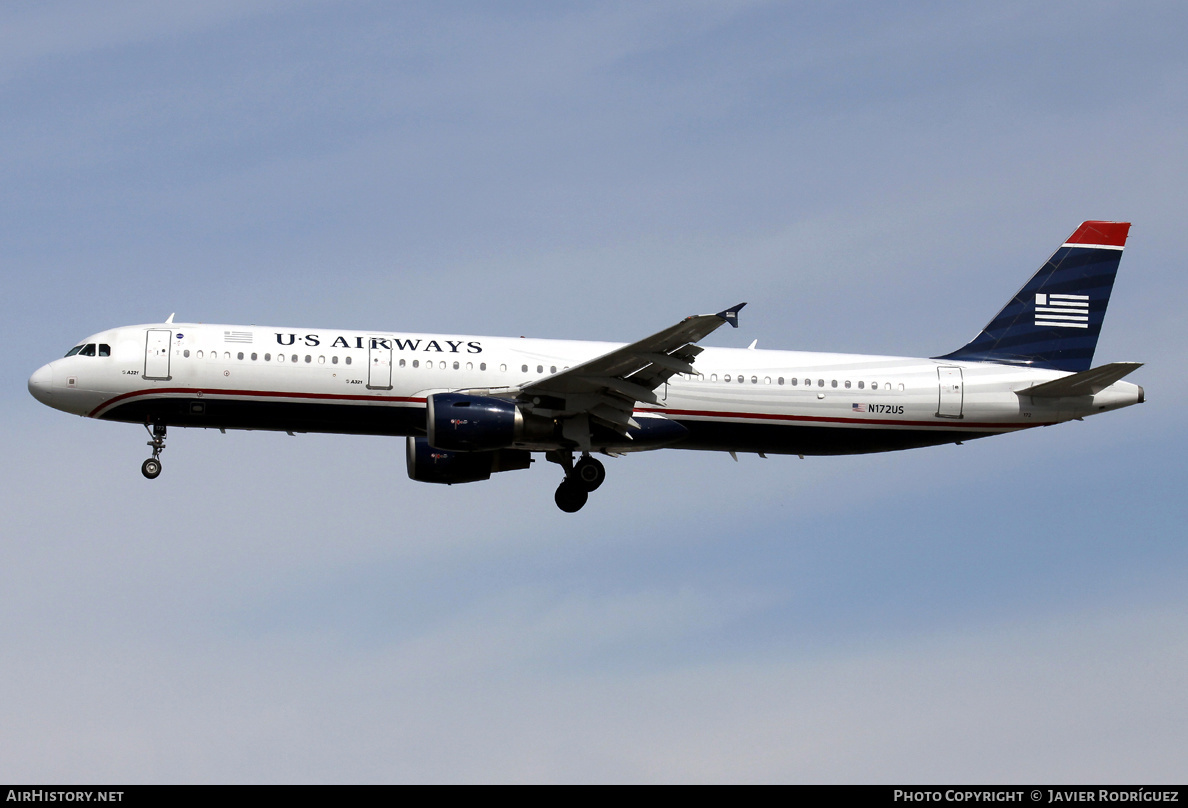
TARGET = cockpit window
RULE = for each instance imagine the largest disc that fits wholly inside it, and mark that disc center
(104, 350)
(75, 350)
(88, 350)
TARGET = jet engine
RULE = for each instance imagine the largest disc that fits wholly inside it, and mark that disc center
(458, 422)
(429, 465)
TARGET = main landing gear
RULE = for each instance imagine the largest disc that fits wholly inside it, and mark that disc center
(151, 468)
(580, 479)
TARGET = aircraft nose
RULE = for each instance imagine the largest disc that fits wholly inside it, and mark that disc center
(41, 384)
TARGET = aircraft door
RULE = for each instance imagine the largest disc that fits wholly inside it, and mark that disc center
(952, 392)
(379, 364)
(156, 354)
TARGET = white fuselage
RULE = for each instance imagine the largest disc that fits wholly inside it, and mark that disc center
(367, 382)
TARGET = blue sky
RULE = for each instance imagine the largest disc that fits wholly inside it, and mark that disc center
(870, 178)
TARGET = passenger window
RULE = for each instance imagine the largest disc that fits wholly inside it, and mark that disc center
(296, 358)
(347, 360)
(767, 380)
(794, 382)
(553, 369)
(88, 350)
(401, 361)
(334, 360)
(255, 356)
(74, 350)
(874, 385)
(901, 387)
(239, 356)
(820, 382)
(321, 360)
(456, 366)
(280, 357)
(781, 380)
(754, 380)
(470, 365)
(503, 368)
(185, 353)
(442, 365)
(741, 379)
(200, 354)
(847, 384)
(523, 368)
(726, 377)
(227, 355)
(808, 382)
(105, 350)
(540, 368)
(482, 365)
(267, 357)
(861, 385)
(833, 384)
(416, 363)
(308, 358)
(713, 377)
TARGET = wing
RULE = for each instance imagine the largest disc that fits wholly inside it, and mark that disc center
(606, 388)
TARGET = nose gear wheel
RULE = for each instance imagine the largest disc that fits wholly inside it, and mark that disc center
(151, 468)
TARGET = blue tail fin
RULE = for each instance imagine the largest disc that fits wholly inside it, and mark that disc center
(1054, 320)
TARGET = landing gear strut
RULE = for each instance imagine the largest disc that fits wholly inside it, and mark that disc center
(151, 468)
(579, 480)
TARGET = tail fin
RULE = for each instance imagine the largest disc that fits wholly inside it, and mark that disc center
(1054, 320)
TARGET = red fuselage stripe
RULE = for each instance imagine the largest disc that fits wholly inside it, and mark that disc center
(947, 424)
(760, 416)
(193, 391)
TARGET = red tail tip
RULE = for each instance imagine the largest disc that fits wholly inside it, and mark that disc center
(1110, 234)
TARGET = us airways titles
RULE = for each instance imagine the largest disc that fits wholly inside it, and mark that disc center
(419, 344)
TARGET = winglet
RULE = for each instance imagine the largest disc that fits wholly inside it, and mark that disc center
(731, 314)
(170, 320)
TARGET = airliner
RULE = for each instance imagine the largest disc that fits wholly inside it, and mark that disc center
(472, 406)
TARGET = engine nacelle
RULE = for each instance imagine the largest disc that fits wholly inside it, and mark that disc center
(458, 422)
(429, 465)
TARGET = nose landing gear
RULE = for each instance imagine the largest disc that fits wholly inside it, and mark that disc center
(151, 468)
(580, 480)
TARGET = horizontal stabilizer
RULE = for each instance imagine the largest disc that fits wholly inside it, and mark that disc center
(1086, 383)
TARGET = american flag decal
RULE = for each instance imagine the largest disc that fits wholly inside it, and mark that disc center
(237, 336)
(859, 408)
(1062, 311)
